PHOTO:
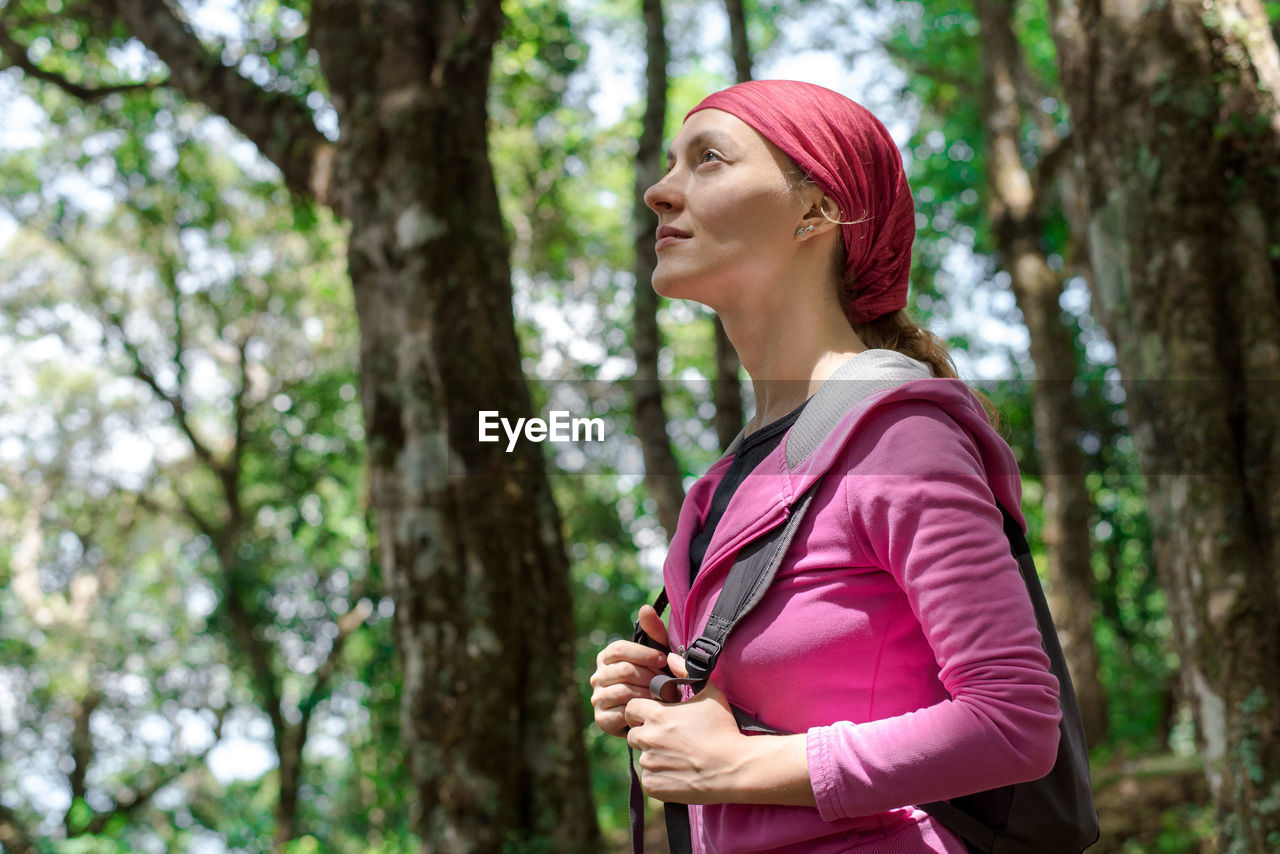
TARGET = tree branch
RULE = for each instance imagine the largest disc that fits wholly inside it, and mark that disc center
(169, 276)
(202, 524)
(16, 57)
(280, 125)
(347, 624)
(142, 372)
(1031, 92)
(82, 743)
(246, 631)
(241, 413)
(740, 47)
(142, 795)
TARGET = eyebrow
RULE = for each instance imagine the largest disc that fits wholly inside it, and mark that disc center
(717, 138)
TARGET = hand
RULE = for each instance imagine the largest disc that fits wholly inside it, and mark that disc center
(690, 752)
(623, 672)
(693, 753)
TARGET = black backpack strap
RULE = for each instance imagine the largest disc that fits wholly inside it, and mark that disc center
(1059, 804)
(749, 579)
(636, 796)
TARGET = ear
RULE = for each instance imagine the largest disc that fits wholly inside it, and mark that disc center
(822, 216)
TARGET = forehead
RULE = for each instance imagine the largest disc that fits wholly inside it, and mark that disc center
(715, 127)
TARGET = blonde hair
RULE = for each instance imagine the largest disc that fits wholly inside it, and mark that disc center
(897, 331)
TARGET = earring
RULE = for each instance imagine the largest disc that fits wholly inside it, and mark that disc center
(805, 230)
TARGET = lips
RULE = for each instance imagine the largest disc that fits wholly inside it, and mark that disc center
(667, 235)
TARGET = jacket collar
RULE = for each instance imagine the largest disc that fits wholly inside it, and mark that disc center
(860, 385)
(763, 500)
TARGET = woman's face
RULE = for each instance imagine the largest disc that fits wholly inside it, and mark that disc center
(727, 215)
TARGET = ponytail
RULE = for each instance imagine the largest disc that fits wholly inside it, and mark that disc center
(897, 331)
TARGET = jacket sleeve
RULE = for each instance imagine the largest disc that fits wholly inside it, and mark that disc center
(920, 500)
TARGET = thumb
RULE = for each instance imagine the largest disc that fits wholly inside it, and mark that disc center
(652, 625)
(676, 663)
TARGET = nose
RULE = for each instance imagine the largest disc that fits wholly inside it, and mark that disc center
(663, 195)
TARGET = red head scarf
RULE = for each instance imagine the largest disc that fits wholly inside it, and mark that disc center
(849, 153)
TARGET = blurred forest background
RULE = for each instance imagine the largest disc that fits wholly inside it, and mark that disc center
(262, 262)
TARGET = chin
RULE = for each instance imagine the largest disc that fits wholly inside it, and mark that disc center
(667, 286)
(692, 288)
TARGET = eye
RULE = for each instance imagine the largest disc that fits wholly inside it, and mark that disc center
(710, 155)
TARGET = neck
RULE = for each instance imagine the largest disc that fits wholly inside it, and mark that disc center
(790, 350)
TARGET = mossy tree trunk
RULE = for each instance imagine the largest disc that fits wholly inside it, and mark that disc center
(662, 469)
(1173, 106)
(1018, 196)
(469, 541)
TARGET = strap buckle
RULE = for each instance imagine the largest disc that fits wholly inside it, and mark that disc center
(700, 658)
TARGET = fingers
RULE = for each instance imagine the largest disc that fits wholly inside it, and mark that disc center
(612, 721)
(638, 711)
(652, 625)
(615, 697)
(609, 703)
(620, 679)
(676, 663)
(634, 653)
(623, 672)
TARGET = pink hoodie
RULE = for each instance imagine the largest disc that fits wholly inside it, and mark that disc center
(898, 633)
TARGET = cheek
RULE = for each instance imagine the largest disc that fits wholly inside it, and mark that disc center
(764, 215)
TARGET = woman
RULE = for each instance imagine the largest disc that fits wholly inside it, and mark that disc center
(897, 640)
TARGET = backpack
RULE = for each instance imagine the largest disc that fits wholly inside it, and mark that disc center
(1052, 815)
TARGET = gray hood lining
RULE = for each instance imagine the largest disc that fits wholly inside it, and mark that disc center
(860, 376)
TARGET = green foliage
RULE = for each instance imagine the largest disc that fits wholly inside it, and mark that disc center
(192, 302)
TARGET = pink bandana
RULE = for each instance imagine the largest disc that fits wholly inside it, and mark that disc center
(849, 153)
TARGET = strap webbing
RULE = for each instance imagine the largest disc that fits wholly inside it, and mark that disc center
(679, 834)
(749, 579)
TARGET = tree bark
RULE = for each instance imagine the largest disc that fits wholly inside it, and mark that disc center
(729, 416)
(1174, 107)
(468, 537)
(662, 471)
(1016, 202)
(739, 44)
(728, 388)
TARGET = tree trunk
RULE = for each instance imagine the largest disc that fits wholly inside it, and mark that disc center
(739, 44)
(1173, 105)
(662, 471)
(728, 388)
(1016, 203)
(468, 537)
